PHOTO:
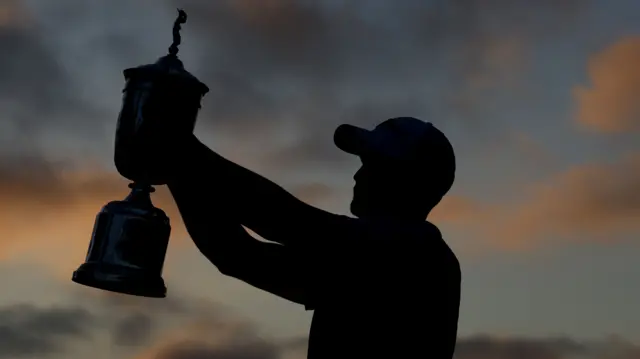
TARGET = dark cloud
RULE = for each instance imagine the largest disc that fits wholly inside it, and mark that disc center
(131, 322)
(487, 347)
(204, 331)
(279, 68)
(477, 347)
(319, 64)
(26, 330)
(482, 347)
(282, 64)
(133, 330)
(37, 93)
(245, 350)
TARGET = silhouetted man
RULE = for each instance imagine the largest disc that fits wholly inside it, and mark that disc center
(383, 285)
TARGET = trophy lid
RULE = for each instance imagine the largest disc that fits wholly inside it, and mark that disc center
(169, 65)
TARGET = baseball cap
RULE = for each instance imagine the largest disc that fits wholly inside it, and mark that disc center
(404, 139)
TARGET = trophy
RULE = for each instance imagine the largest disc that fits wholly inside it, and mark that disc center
(130, 237)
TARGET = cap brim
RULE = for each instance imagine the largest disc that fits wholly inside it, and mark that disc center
(353, 139)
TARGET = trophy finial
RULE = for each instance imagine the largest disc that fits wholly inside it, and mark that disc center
(182, 18)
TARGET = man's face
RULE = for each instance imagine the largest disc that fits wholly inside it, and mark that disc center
(380, 186)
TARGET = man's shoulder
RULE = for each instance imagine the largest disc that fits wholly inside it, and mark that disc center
(428, 248)
(418, 237)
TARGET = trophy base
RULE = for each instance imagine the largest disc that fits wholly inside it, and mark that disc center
(120, 280)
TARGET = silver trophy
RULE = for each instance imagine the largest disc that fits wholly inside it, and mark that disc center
(130, 237)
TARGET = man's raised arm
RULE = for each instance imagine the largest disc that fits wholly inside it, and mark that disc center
(219, 237)
(258, 203)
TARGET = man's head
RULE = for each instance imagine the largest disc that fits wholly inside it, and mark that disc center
(407, 166)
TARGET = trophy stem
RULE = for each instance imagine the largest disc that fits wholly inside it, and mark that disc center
(140, 194)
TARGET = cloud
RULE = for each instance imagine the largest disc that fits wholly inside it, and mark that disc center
(201, 350)
(51, 207)
(487, 347)
(90, 318)
(274, 67)
(596, 201)
(178, 327)
(184, 327)
(46, 206)
(609, 104)
(133, 330)
(362, 64)
(592, 202)
(26, 330)
(209, 332)
(38, 95)
(454, 208)
(475, 347)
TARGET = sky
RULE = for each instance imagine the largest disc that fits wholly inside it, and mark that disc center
(539, 99)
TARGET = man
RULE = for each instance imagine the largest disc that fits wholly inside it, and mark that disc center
(383, 285)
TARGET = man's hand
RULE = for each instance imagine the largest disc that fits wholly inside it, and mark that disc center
(152, 158)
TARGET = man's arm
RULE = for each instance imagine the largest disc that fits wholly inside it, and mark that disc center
(262, 205)
(267, 266)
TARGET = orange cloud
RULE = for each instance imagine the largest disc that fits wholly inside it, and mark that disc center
(595, 202)
(591, 200)
(48, 215)
(455, 209)
(211, 337)
(611, 104)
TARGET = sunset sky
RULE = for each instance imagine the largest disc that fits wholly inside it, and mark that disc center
(541, 100)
